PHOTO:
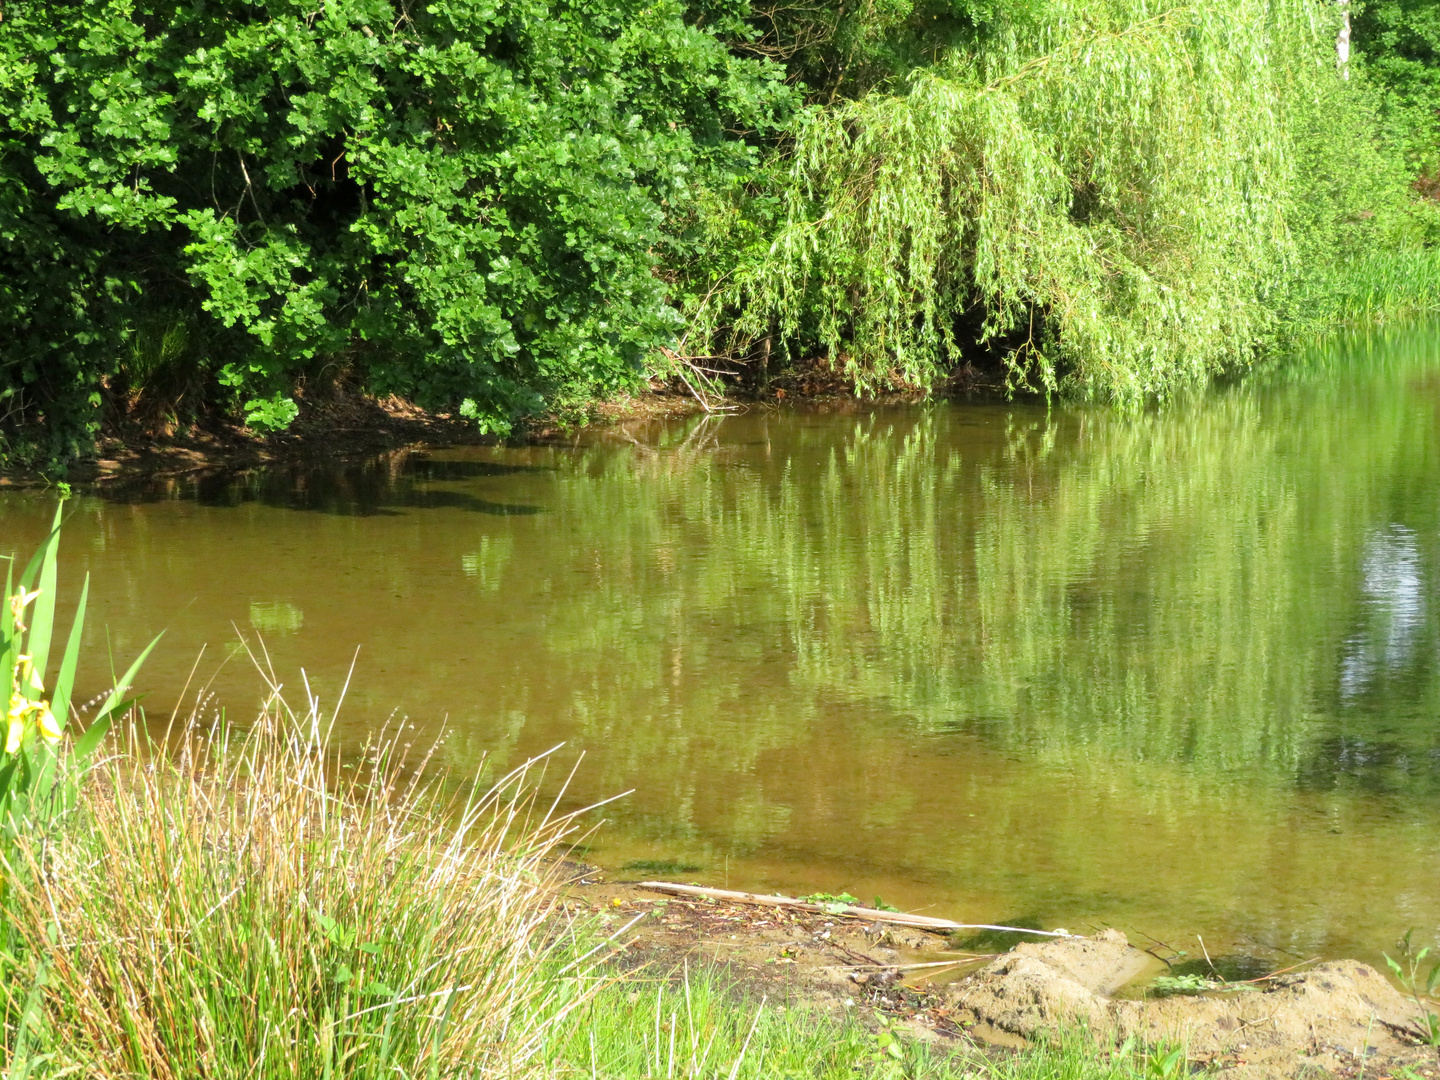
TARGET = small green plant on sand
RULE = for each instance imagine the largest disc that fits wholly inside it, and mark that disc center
(888, 1053)
(833, 903)
(1421, 985)
(1166, 1063)
(836, 903)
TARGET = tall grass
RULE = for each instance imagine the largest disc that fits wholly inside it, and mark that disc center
(247, 904)
(1386, 285)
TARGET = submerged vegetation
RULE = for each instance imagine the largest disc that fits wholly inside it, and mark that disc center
(501, 210)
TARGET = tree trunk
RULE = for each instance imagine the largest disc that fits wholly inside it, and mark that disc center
(1342, 41)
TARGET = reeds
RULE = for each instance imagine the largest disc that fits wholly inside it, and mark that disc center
(1386, 285)
(250, 905)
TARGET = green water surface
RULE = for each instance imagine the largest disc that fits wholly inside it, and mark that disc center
(1177, 673)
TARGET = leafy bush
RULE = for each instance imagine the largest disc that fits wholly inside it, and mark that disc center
(460, 200)
(1398, 44)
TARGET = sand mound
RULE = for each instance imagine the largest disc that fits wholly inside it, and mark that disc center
(1325, 1019)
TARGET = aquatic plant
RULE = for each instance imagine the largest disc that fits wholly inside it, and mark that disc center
(40, 766)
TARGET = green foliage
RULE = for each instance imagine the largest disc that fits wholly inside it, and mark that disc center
(37, 777)
(1115, 199)
(837, 900)
(1397, 42)
(842, 50)
(1166, 1063)
(888, 1056)
(1363, 247)
(1170, 985)
(460, 200)
(499, 208)
(1410, 970)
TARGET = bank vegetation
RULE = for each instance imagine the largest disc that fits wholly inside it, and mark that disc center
(503, 211)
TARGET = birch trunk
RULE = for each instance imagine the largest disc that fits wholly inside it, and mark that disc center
(1342, 41)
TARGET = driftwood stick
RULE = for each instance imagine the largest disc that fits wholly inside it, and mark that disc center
(923, 922)
(913, 967)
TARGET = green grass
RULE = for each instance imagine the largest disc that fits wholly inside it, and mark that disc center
(1384, 286)
(700, 1023)
(247, 905)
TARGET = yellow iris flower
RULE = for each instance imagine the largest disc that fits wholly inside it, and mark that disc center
(15, 716)
(19, 713)
(49, 727)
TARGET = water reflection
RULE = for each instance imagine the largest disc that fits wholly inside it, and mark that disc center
(1394, 611)
(1175, 671)
(389, 485)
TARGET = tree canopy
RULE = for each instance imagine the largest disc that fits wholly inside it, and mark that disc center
(494, 206)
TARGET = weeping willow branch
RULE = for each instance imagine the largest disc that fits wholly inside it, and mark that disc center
(1120, 180)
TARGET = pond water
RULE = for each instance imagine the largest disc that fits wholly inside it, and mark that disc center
(1177, 673)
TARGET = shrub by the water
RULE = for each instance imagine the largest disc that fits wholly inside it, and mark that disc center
(498, 209)
(458, 202)
(1113, 199)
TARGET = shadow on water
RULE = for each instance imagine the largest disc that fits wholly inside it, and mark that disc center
(1372, 766)
(1000, 940)
(427, 468)
(382, 487)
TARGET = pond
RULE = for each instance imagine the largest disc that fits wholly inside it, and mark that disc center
(1177, 672)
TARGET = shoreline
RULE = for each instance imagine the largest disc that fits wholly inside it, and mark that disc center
(1338, 1018)
(347, 425)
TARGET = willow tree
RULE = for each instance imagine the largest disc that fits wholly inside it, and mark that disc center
(1101, 192)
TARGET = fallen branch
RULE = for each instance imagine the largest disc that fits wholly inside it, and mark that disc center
(1282, 971)
(923, 922)
(915, 967)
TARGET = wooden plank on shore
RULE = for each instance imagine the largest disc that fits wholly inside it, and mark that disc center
(901, 918)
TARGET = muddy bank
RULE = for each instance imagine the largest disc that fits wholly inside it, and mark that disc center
(344, 425)
(340, 425)
(1339, 1018)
